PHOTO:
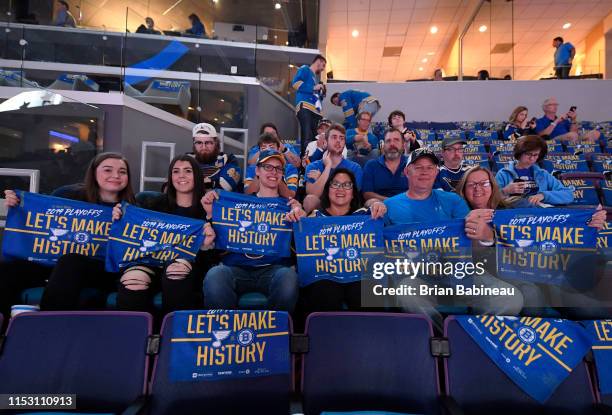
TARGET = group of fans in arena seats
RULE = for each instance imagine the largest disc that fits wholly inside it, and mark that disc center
(406, 183)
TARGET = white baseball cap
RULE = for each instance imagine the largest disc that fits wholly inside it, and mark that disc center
(204, 128)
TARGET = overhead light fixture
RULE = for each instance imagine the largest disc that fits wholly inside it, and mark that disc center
(277, 6)
(424, 60)
(421, 68)
(567, 25)
(215, 1)
(355, 33)
(430, 53)
(433, 30)
(482, 29)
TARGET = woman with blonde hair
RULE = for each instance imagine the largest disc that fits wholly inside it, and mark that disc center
(518, 124)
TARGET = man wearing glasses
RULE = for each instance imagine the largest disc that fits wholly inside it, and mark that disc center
(361, 143)
(220, 171)
(451, 172)
(564, 127)
(288, 185)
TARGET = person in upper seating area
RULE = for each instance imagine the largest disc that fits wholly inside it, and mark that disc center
(564, 55)
(361, 143)
(148, 27)
(340, 198)
(423, 203)
(483, 75)
(220, 170)
(197, 27)
(308, 96)
(354, 102)
(180, 281)
(239, 273)
(318, 172)
(453, 169)
(289, 151)
(437, 75)
(529, 184)
(564, 127)
(396, 120)
(519, 124)
(106, 183)
(385, 177)
(63, 17)
(288, 186)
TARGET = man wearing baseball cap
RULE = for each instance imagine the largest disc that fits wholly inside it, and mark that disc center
(453, 169)
(241, 273)
(221, 171)
(422, 203)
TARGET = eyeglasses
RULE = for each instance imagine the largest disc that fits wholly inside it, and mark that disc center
(533, 155)
(204, 143)
(338, 185)
(269, 168)
(483, 185)
(454, 149)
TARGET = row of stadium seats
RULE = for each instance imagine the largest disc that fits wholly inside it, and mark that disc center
(349, 362)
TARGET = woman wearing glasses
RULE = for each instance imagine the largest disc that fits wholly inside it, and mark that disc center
(526, 182)
(340, 198)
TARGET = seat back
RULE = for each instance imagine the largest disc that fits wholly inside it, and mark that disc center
(565, 162)
(369, 361)
(217, 387)
(99, 356)
(585, 192)
(480, 387)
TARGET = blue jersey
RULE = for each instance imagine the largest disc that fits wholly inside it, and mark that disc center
(350, 101)
(225, 173)
(563, 54)
(255, 149)
(350, 138)
(306, 97)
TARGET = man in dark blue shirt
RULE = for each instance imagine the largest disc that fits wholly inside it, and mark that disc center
(384, 177)
(453, 169)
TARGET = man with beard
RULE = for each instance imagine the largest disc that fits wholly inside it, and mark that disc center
(308, 97)
(453, 169)
(384, 177)
(221, 171)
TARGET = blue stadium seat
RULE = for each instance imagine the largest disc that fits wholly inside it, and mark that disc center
(501, 146)
(479, 387)
(88, 296)
(369, 362)
(585, 192)
(261, 395)
(253, 301)
(565, 162)
(484, 136)
(584, 148)
(602, 162)
(99, 356)
(606, 189)
(500, 160)
(481, 159)
(111, 301)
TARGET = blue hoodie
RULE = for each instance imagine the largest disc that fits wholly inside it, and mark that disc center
(555, 193)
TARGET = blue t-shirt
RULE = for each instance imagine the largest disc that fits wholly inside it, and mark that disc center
(563, 54)
(255, 149)
(527, 176)
(562, 128)
(346, 164)
(378, 178)
(350, 139)
(439, 206)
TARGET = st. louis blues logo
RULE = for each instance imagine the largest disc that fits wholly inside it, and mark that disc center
(527, 335)
(57, 233)
(331, 252)
(244, 224)
(548, 247)
(149, 246)
(263, 227)
(219, 336)
(245, 337)
(351, 253)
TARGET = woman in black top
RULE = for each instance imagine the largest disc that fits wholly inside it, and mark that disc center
(340, 198)
(106, 183)
(181, 280)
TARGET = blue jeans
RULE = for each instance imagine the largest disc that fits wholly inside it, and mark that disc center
(224, 285)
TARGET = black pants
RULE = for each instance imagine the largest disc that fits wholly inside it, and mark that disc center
(177, 294)
(16, 276)
(70, 276)
(308, 127)
(562, 72)
(328, 295)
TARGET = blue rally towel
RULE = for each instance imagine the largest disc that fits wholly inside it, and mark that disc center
(554, 246)
(252, 225)
(223, 344)
(146, 237)
(601, 334)
(538, 354)
(44, 228)
(442, 242)
(336, 248)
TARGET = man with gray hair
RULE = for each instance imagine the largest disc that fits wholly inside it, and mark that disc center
(564, 127)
